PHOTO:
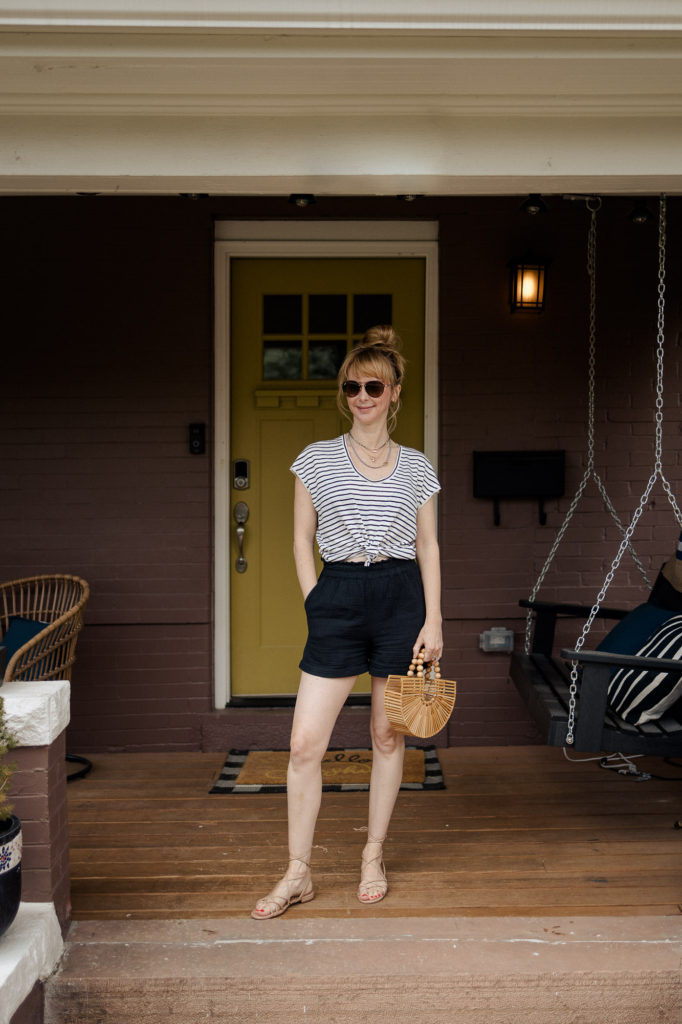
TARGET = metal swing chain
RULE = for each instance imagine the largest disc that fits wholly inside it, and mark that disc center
(593, 205)
(591, 471)
(657, 472)
(591, 271)
(660, 350)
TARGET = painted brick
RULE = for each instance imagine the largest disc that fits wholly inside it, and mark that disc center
(38, 792)
(31, 1010)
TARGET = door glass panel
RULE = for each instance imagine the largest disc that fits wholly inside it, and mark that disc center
(325, 358)
(369, 310)
(293, 323)
(282, 314)
(282, 360)
(327, 314)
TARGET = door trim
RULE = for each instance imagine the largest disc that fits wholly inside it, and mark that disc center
(277, 239)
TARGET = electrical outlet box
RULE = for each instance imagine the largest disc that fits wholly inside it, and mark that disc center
(497, 639)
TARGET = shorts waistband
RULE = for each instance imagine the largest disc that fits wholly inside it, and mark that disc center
(385, 567)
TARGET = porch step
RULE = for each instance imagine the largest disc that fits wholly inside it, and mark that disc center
(338, 971)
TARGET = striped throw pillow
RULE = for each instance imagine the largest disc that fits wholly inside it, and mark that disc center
(643, 695)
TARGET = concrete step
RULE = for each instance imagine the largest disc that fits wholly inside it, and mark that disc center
(399, 970)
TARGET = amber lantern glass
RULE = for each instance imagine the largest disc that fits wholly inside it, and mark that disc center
(528, 287)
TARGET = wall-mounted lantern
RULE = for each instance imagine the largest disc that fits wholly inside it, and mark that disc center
(527, 293)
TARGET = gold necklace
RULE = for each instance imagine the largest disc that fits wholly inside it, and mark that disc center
(367, 448)
(370, 465)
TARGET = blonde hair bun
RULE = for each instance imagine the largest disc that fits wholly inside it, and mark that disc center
(382, 335)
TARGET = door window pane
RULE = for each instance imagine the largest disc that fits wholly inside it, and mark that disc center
(282, 360)
(282, 314)
(327, 314)
(309, 342)
(369, 310)
(325, 358)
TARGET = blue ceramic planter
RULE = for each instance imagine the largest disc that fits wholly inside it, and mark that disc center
(10, 871)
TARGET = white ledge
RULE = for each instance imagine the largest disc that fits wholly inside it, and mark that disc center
(29, 951)
(36, 713)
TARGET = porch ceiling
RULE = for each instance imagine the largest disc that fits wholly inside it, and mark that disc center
(254, 75)
(368, 99)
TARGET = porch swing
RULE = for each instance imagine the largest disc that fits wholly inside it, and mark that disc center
(568, 697)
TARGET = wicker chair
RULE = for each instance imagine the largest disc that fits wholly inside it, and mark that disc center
(57, 600)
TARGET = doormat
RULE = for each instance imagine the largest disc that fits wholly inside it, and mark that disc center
(343, 771)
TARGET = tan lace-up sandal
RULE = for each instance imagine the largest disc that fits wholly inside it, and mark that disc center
(281, 897)
(374, 891)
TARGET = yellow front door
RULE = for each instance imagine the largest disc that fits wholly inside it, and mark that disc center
(292, 322)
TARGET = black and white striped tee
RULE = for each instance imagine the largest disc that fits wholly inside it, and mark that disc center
(357, 516)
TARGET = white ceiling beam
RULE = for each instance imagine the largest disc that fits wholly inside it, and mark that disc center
(346, 156)
(85, 73)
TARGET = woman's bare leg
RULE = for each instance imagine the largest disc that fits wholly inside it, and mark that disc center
(387, 772)
(318, 704)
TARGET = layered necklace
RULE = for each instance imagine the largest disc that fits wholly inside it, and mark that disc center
(373, 464)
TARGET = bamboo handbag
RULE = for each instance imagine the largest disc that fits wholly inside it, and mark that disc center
(420, 703)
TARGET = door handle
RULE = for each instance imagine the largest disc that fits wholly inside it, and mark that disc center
(241, 514)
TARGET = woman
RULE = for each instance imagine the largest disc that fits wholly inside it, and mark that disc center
(370, 502)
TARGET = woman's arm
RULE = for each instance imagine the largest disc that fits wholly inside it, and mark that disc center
(428, 558)
(305, 525)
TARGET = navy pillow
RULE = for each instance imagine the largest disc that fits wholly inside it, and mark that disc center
(19, 632)
(632, 632)
(665, 595)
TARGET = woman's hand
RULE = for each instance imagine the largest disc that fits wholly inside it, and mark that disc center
(431, 639)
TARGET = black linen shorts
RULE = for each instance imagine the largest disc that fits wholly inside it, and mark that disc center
(363, 618)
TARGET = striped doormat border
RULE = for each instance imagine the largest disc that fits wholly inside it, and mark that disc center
(429, 779)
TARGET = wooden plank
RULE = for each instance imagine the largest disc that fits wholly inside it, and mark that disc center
(425, 898)
(588, 857)
(467, 806)
(603, 888)
(227, 805)
(145, 872)
(384, 910)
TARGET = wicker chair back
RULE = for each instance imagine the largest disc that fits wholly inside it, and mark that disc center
(57, 600)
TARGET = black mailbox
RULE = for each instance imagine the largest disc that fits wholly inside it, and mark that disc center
(519, 474)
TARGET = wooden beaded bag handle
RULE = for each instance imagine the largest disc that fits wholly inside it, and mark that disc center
(421, 702)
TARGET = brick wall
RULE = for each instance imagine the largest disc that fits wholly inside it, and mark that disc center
(31, 1010)
(38, 792)
(113, 362)
(152, 684)
(111, 300)
(520, 381)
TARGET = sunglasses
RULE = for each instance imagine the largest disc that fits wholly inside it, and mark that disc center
(373, 388)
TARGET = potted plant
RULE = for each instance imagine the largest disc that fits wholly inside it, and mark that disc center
(10, 834)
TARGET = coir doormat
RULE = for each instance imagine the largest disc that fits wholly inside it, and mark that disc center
(265, 771)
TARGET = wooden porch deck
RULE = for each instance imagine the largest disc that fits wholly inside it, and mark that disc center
(518, 832)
